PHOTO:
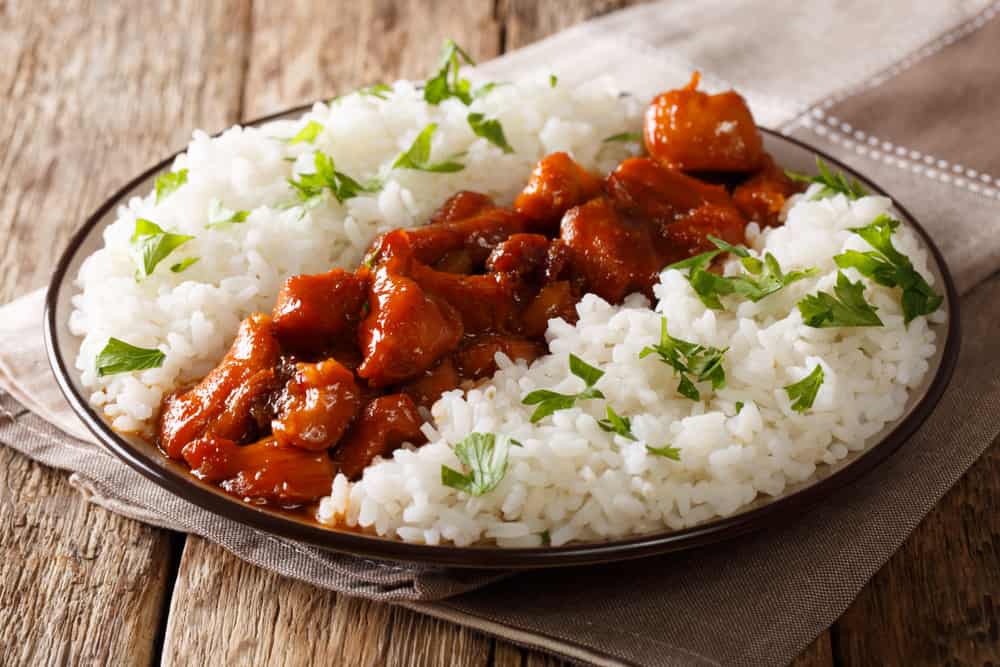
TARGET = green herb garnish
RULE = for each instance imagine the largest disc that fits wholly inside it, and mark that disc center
(689, 360)
(553, 81)
(739, 407)
(489, 129)
(167, 184)
(150, 245)
(379, 90)
(487, 88)
(615, 423)
(846, 307)
(120, 357)
(447, 82)
(549, 401)
(764, 277)
(624, 137)
(220, 216)
(887, 266)
(666, 452)
(418, 155)
(546, 538)
(803, 392)
(183, 264)
(310, 187)
(485, 455)
(307, 134)
(832, 183)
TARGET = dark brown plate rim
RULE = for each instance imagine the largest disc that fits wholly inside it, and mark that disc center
(782, 510)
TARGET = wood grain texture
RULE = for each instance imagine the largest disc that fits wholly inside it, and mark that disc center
(304, 52)
(78, 585)
(87, 104)
(937, 600)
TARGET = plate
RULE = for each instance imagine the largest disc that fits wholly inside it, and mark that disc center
(62, 348)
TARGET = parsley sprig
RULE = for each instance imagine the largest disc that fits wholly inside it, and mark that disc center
(846, 307)
(667, 452)
(689, 360)
(803, 393)
(616, 423)
(489, 129)
(167, 184)
(447, 82)
(625, 137)
(549, 401)
(307, 134)
(887, 266)
(379, 90)
(310, 187)
(219, 216)
(486, 457)
(121, 357)
(832, 183)
(763, 277)
(418, 155)
(150, 245)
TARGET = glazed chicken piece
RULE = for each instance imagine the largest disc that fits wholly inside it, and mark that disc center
(263, 472)
(426, 389)
(483, 302)
(407, 329)
(477, 358)
(316, 406)
(555, 300)
(613, 255)
(312, 310)
(763, 195)
(645, 189)
(385, 424)
(557, 184)
(462, 246)
(689, 235)
(221, 404)
(462, 205)
(694, 131)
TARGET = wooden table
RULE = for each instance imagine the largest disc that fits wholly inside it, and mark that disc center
(97, 91)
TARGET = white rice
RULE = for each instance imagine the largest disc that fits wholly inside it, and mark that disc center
(192, 316)
(573, 481)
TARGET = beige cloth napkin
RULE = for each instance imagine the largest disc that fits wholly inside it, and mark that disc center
(830, 75)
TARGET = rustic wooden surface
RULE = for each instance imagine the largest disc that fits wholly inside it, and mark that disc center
(93, 93)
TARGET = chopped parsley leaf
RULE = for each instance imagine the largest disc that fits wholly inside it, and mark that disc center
(307, 134)
(689, 360)
(485, 455)
(120, 357)
(489, 129)
(183, 264)
(803, 393)
(633, 137)
(167, 184)
(310, 187)
(549, 401)
(447, 82)
(832, 183)
(887, 266)
(615, 423)
(150, 245)
(418, 155)
(846, 307)
(667, 452)
(220, 216)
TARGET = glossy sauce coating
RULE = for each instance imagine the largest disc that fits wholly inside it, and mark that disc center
(341, 371)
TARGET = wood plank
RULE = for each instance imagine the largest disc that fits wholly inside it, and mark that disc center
(936, 601)
(302, 51)
(77, 583)
(89, 101)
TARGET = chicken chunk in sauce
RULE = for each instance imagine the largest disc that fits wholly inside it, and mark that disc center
(349, 363)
